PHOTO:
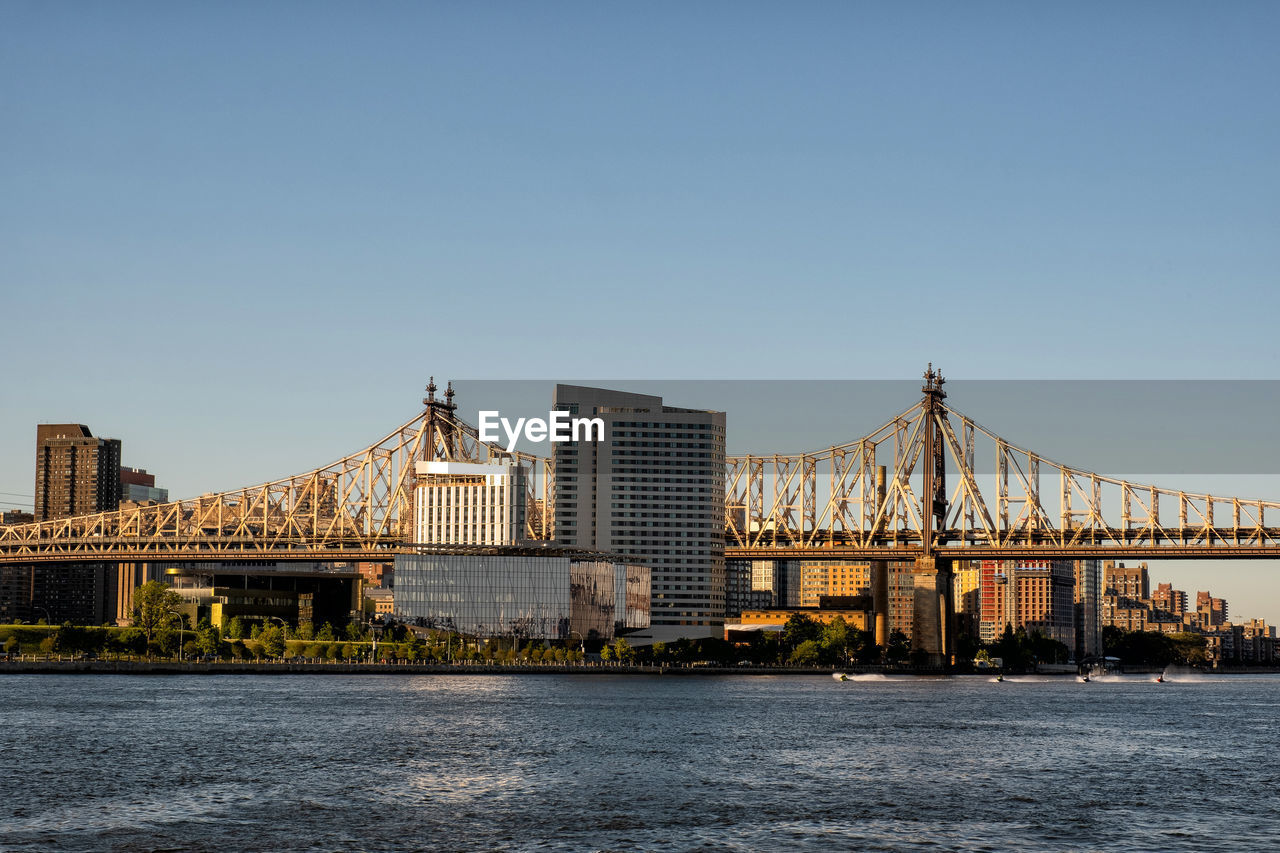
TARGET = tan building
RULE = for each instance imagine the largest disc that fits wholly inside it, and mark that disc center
(837, 578)
(753, 621)
(384, 601)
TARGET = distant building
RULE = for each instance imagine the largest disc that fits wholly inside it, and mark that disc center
(1131, 583)
(76, 473)
(819, 578)
(138, 486)
(750, 585)
(1036, 595)
(1170, 600)
(466, 503)
(652, 490)
(1212, 611)
(1088, 608)
(384, 600)
(80, 593)
(377, 573)
(16, 516)
(966, 596)
(771, 621)
(263, 591)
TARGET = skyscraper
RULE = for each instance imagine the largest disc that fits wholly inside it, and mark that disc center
(653, 489)
(76, 473)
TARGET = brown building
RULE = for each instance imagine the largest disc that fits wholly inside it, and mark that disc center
(16, 516)
(1133, 584)
(76, 473)
(1170, 600)
(1212, 611)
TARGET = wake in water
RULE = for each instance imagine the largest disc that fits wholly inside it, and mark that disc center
(861, 676)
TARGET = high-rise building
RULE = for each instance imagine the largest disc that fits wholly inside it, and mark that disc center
(139, 486)
(1170, 600)
(1130, 583)
(966, 592)
(652, 489)
(1088, 609)
(839, 578)
(1212, 611)
(76, 473)
(1037, 595)
(751, 585)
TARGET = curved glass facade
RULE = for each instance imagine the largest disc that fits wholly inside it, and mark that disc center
(534, 597)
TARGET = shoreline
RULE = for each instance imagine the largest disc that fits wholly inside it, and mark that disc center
(142, 667)
(126, 667)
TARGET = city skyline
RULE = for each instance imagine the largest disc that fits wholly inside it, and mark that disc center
(227, 229)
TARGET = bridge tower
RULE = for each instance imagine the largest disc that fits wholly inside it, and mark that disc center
(932, 620)
(440, 423)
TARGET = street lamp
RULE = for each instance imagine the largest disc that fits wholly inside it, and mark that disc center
(181, 626)
(582, 642)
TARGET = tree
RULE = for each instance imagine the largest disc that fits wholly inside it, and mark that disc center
(835, 639)
(1191, 649)
(235, 628)
(133, 640)
(806, 654)
(325, 634)
(898, 649)
(153, 606)
(209, 641)
(272, 639)
(622, 650)
(798, 629)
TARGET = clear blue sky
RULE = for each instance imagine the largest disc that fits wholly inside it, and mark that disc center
(239, 236)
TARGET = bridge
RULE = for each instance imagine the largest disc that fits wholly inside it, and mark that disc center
(881, 497)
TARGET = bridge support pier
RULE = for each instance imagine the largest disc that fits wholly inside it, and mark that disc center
(880, 601)
(932, 630)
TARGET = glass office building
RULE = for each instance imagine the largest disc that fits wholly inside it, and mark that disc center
(531, 596)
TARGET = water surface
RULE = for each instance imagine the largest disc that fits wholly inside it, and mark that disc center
(307, 762)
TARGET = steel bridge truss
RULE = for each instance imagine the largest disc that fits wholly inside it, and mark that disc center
(865, 496)
(1005, 500)
(360, 506)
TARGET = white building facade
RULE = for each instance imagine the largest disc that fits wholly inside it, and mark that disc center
(465, 503)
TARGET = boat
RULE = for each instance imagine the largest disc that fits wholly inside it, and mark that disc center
(840, 676)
